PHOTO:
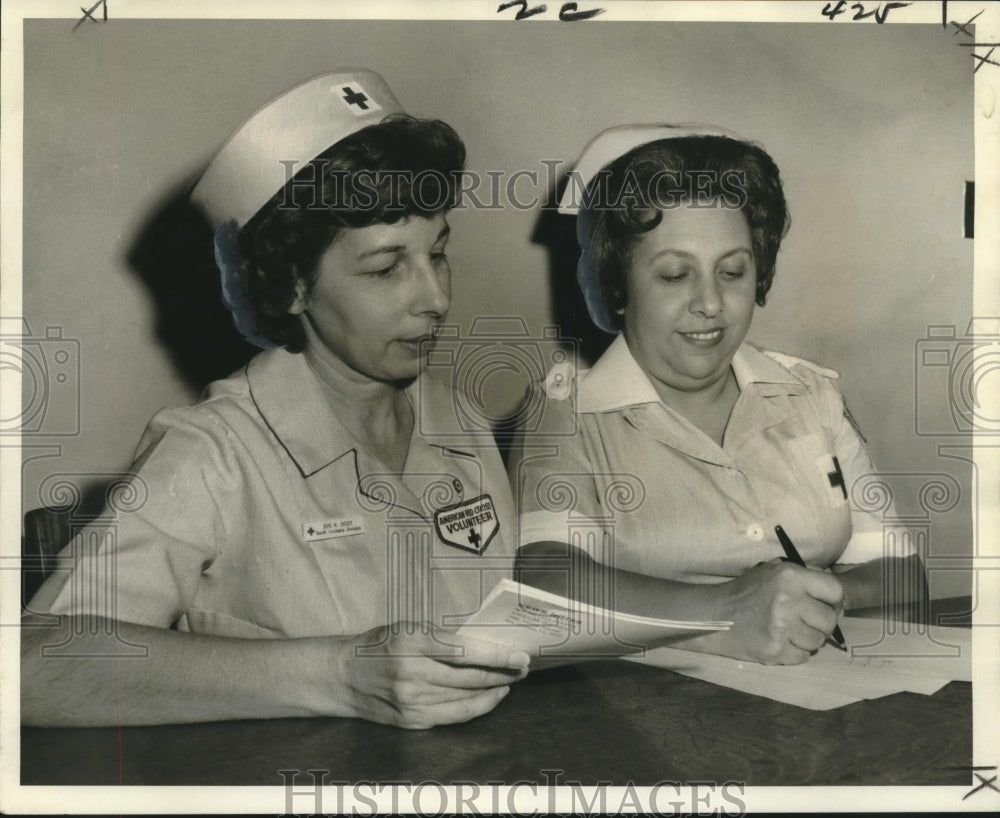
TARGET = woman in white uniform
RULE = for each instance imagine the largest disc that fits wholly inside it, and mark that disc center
(669, 465)
(285, 555)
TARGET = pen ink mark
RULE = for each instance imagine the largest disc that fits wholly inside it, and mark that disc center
(880, 12)
(969, 225)
(968, 768)
(985, 783)
(961, 27)
(983, 60)
(88, 14)
(569, 14)
(831, 11)
(525, 12)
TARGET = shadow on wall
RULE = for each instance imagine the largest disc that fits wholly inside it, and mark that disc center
(557, 233)
(174, 257)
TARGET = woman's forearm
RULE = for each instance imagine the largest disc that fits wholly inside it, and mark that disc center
(567, 571)
(888, 581)
(181, 677)
(780, 611)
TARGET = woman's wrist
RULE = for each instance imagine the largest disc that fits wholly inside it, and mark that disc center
(713, 602)
(316, 677)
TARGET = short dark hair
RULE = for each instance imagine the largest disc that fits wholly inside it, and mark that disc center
(400, 167)
(617, 208)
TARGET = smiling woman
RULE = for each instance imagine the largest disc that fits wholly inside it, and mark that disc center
(690, 284)
(692, 446)
(289, 558)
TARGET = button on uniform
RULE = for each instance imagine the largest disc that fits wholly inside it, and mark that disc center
(755, 531)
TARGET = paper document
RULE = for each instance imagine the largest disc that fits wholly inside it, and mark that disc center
(883, 658)
(549, 625)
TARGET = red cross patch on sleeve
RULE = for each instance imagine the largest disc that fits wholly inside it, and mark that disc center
(833, 478)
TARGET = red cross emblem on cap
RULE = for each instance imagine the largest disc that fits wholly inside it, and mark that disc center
(356, 99)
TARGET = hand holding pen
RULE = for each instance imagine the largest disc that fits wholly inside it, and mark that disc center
(792, 555)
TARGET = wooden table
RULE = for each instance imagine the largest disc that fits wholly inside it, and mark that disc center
(600, 722)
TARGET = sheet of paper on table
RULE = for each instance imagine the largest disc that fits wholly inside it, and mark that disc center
(548, 625)
(884, 657)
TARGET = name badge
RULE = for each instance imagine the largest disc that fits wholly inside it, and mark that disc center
(470, 525)
(329, 529)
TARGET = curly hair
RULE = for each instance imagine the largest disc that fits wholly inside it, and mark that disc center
(627, 199)
(400, 167)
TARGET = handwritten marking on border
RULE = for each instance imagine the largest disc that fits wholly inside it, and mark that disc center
(961, 27)
(880, 12)
(568, 12)
(835, 8)
(982, 60)
(985, 784)
(88, 14)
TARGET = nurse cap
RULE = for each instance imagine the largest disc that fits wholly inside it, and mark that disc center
(247, 171)
(603, 149)
(609, 144)
(296, 126)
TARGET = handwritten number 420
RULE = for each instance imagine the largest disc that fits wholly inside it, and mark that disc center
(880, 12)
(567, 13)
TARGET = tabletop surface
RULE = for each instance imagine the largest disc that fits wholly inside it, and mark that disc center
(603, 722)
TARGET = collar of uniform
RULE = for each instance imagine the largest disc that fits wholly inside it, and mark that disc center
(617, 381)
(750, 365)
(290, 398)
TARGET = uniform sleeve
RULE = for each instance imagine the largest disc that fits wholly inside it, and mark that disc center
(867, 526)
(141, 562)
(552, 472)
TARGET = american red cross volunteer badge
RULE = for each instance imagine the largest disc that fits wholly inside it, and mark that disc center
(470, 525)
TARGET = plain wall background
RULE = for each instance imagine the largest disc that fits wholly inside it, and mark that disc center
(870, 125)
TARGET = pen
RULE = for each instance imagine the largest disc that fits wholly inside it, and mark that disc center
(792, 555)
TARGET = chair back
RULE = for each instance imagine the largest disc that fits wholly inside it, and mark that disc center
(46, 531)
